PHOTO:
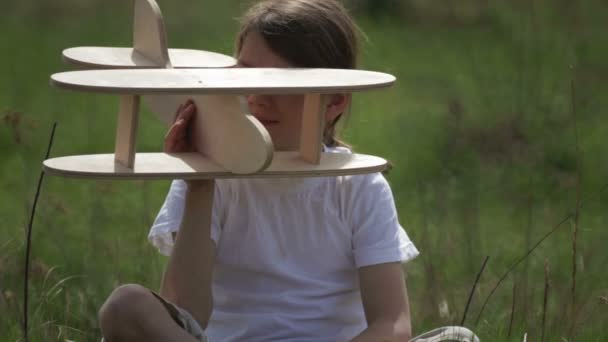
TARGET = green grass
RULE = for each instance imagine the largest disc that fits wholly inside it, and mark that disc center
(479, 128)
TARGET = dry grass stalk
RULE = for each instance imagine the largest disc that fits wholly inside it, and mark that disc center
(524, 290)
(521, 259)
(512, 309)
(578, 204)
(545, 300)
(577, 323)
(527, 254)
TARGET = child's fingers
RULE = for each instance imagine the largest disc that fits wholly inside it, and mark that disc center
(188, 112)
(176, 133)
(176, 139)
(169, 145)
(183, 108)
(179, 109)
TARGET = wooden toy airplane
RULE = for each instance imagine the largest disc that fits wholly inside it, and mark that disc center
(230, 142)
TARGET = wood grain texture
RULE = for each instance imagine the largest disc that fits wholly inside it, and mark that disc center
(311, 134)
(222, 81)
(195, 166)
(149, 37)
(126, 130)
(236, 141)
(97, 57)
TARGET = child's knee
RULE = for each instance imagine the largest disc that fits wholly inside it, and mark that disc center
(124, 308)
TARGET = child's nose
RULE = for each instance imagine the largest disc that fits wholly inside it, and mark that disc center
(257, 102)
(257, 99)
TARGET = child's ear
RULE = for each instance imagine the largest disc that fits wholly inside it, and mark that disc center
(336, 105)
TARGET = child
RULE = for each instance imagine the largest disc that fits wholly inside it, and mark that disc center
(297, 259)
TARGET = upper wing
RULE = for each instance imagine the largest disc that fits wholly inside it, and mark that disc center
(223, 81)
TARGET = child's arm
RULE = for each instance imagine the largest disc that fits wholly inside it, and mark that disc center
(187, 278)
(385, 302)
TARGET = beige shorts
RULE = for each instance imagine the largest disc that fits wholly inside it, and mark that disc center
(184, 319)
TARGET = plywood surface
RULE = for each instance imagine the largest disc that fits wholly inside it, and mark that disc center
(194, 166)
(149, 38)
(236, 141)
(97, 57)
(313, 121)
(126, 129)
(222, 81)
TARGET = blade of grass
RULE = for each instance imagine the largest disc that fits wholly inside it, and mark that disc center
(522, 258)
(466, 309)
(29, 240)
(578, 202)
(545, 301)
(512, 316)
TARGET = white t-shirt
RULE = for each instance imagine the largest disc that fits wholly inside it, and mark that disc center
(288, 252)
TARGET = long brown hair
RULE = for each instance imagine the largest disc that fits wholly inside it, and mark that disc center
(307, 34)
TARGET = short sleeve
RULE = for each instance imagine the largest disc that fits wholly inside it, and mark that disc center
(169, 218)
(377, 235)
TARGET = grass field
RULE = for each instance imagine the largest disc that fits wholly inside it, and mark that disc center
(496, 128)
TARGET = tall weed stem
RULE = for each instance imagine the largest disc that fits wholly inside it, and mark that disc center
(29, 240)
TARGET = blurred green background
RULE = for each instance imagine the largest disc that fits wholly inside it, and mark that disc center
(496, 126)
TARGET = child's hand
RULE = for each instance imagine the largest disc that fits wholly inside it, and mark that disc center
(179, 137)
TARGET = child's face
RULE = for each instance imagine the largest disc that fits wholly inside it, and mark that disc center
(280, 114)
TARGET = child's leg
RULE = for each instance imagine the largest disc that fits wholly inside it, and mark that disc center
(133, 313)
